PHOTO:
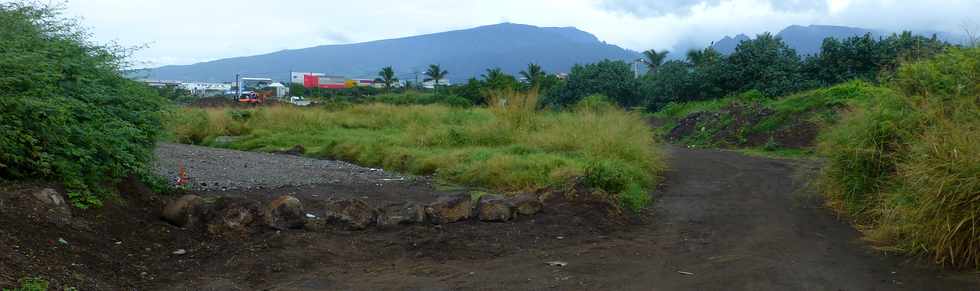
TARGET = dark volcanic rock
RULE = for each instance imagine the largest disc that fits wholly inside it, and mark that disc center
(356, 213)
(449, 209)
(285, 212)
(495, 208)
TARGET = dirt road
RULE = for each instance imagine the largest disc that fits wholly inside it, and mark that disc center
(722, 221)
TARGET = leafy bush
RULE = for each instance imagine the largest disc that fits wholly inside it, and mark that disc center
(67, 113)
(909, 165)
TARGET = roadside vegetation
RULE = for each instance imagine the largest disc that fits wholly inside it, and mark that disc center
(906, 166)
(67, 114)
(507, 146)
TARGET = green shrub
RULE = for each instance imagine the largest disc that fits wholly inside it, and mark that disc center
(909, 166)
(67, 114)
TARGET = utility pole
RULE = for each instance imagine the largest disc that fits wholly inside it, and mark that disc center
(238, 85)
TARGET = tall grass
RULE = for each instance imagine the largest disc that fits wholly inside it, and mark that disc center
(907, 165)
(507, 147)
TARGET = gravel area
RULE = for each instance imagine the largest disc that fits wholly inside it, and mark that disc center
(214, 169)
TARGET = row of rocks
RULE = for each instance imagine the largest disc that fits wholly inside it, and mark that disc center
(287, 212)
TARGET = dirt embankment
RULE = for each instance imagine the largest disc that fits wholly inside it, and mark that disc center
(722, 221)
(740, 125)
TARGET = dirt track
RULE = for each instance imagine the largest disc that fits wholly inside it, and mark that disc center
(723, 221)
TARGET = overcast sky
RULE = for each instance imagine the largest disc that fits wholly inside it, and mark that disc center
(184, 32)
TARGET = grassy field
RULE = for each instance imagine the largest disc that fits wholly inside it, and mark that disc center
(907, 166)
(508, 148)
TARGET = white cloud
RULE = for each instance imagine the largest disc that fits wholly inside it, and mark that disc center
(185, 31)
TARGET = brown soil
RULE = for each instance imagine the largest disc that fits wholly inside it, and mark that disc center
(730, 128)
(722, 221)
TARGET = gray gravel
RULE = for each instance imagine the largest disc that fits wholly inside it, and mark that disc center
(210, 169)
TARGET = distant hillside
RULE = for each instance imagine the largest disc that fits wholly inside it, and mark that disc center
(464, 53)
(806, 40)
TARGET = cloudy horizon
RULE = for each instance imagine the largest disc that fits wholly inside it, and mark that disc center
(197, 31)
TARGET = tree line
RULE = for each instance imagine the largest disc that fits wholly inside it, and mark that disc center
(765, 63)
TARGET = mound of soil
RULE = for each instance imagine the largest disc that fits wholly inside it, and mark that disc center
(731, 127)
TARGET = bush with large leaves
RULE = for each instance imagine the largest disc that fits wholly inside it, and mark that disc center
(66, 112)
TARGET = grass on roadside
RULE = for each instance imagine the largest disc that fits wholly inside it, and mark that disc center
(908, 166)
(507, 147)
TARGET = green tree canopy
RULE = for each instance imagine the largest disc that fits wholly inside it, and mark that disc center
(614, 79)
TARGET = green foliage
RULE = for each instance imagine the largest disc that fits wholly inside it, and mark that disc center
(31, 284)
(507, 147)
(416, 98)
(387, 77)
(766, 64)
(610, 78)
(67, 114)
(866, 57)
(908, 165)
(654, 59)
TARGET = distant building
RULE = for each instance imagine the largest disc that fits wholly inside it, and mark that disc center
(432, 84)
(161, 83)
(280, 89)
(298, 77)
(205, 89)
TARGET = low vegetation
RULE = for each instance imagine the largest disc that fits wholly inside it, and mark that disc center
(507, 146)
(67, 114)
(750, 120)
(907, 165)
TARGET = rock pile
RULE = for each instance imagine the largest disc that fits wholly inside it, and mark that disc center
(232, 216)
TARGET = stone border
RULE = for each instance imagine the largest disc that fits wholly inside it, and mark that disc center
(238, 215)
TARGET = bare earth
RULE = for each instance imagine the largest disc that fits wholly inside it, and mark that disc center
(721, 221)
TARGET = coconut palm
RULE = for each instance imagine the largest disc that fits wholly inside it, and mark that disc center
(387, 77)
(435, 73)
(533, 74)
(702, 57)
(653, 59)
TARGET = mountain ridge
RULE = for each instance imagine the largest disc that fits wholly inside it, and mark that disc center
(464, 53)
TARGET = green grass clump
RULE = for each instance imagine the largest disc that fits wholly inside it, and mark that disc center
(907, 165)
(31, 284)
(509, 146)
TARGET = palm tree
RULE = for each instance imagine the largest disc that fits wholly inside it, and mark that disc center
(702, 57)
(493, 74)
(533, 74)
(387, 76)
(653, 59)
(435, 73)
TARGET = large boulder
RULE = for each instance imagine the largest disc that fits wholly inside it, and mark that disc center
(494, 208)
(355, 213)
(527, 204)
(449, 209)
(400, 213)
(184, 211)
(285, 212)
(49, 205)
(231, 217)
